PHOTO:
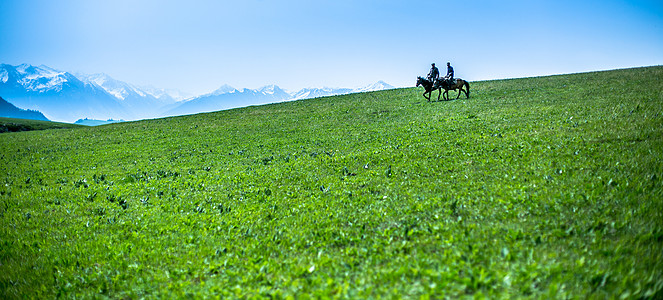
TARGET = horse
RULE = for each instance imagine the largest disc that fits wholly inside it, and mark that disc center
(429, 87)
(459, 84)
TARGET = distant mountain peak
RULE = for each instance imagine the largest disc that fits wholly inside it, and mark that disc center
(271, 89)
(22, 67)
(224, 89)
(159, 93)
(26, 69)
(378, 86)
(45, 67)
(118, 89)
(98, 78)
(63, 96)
(4, 75)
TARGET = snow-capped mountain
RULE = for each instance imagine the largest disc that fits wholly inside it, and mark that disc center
(378, 86)
(224, 89)
(227, 97)
(62, 96)
(142, 103)
(308, 93)
(119, 89)
(275, 91)
(59, 95)
(34, 79)
(166, 95)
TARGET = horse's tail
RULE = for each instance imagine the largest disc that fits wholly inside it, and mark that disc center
(467, 86)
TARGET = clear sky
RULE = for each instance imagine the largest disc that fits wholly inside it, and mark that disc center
(199, 45)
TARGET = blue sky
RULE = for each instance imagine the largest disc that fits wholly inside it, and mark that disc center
(198, 45)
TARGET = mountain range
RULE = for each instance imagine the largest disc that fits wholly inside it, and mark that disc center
(67, 97)
(135, 99)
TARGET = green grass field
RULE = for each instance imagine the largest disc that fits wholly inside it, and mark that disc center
(545, 187)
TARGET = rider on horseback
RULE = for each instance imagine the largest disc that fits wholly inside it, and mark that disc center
(434, 73)
(447, 83)
(450, 74)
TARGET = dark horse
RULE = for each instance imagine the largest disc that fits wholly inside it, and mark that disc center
(429, 87)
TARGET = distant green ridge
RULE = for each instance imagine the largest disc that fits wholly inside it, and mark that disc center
(13, 125)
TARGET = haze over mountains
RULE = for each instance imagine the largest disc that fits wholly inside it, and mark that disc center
(8, 110)
(66, 97)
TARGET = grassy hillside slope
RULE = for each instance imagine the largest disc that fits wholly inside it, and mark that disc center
(536, 187)
(13, 125)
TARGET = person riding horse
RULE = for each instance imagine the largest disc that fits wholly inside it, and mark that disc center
(434, 73)
(450, 74)
(434, 82)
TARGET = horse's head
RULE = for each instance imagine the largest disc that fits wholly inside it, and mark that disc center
(420, 80)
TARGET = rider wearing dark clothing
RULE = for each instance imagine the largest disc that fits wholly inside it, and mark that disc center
(434, 73)
(450, 73)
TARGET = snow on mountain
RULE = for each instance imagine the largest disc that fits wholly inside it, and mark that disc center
(224, 89)
(40, 78)
(114, 87)
(62, 96)
(274, 90)
(378, 86)
(227, 97)
(166, 95)
(4, 75)
(142, 103)
(122, 90)
(59, 95)
(308, 93)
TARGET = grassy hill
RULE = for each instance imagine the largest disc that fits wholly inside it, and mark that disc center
(539, 187)
(13, 125)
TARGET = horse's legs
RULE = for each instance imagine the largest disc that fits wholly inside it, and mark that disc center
(427, 98)
(439, 91)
